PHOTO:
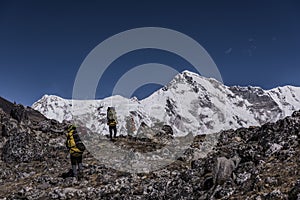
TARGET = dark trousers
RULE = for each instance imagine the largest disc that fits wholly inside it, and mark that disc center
(76, 162)
(111, 129)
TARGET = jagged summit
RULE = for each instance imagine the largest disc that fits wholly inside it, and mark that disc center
(188, 103)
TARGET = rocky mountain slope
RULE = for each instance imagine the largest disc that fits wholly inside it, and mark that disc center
(247, 163)
(19, 112)
(189, 103)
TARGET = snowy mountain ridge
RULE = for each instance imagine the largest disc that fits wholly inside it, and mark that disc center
(189, 103)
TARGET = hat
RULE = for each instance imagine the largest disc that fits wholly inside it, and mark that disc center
(71, 127)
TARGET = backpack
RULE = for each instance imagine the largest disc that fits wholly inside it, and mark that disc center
(111, 114)
(78, 142)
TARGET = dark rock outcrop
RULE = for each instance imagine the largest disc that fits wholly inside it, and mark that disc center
(5, 105)
(19, 112)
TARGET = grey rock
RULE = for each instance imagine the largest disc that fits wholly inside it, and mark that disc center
(23, 147)
(224, 169)
(294, 193)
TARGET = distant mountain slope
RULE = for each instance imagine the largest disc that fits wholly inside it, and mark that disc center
(189, 103)
(6, 105)
(19, 111)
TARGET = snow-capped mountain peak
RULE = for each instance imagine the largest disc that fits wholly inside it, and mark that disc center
(189, 103)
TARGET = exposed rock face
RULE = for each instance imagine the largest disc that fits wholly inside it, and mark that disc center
(19, 113)
(247, 163)
(167, 130)
(5, 105)
(23, 147)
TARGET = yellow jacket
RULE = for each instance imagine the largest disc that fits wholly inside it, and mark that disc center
(70, 143)
(112, 122)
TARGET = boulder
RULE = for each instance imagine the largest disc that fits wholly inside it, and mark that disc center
(224, 169)
(294, 193)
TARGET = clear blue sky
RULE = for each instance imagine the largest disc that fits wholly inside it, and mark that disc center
(43, 43)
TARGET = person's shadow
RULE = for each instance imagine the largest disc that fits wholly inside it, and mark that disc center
(67, 174)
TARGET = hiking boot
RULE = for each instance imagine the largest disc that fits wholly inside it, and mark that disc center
(67, 174)
(79, 176)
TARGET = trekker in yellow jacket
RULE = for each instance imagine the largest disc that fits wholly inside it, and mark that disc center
(75, 152)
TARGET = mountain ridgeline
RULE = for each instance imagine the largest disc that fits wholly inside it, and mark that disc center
(189, 104)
